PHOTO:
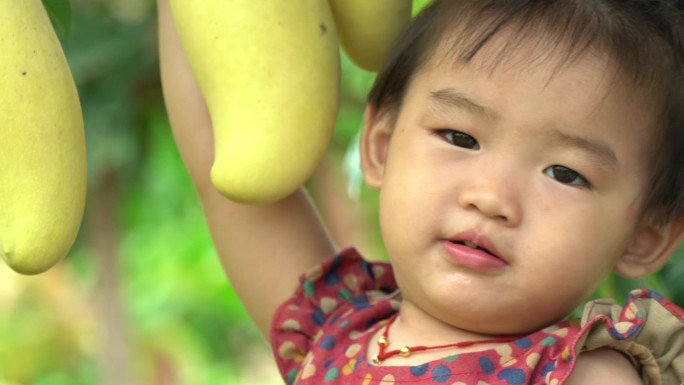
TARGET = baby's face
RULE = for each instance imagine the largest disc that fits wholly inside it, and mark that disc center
(539, 166)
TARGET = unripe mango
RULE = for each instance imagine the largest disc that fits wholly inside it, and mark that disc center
(368, 28)
(42, 155)
(269, 71)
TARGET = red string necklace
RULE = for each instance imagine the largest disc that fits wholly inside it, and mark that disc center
(406, 350)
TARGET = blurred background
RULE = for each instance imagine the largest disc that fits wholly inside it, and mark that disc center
(142, 298)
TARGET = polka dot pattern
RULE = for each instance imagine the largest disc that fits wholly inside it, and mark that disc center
(323, 334)
(420, 370)
(441, 373)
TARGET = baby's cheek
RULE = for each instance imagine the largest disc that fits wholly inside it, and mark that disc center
(632, 213)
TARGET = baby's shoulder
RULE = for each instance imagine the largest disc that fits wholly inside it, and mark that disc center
(335, 308)
(646, 333)
(603, 366)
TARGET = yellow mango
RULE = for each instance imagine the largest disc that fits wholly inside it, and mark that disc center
(269, 71)
(42, 142)
(368, 28)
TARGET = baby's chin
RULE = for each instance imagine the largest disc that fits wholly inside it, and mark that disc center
(503, 324)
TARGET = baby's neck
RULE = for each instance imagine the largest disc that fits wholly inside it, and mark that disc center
(414, 327)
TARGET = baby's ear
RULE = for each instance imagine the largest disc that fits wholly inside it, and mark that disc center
(375, 140)
(650, 249)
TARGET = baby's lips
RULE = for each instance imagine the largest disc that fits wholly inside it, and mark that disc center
(478, 239)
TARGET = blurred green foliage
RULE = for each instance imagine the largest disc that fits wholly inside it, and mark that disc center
(59, 12)
(143, 273)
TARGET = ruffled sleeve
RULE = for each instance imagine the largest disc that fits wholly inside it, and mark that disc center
(648, 329)
(342, 285)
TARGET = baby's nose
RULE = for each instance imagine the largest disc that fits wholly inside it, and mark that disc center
(493, 197)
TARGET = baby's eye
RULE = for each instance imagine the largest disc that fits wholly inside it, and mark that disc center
(566, 176)
(459, 139)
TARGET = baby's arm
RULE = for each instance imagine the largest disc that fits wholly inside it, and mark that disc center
(263, 249)
(603, 366)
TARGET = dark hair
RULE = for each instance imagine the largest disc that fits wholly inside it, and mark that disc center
(644, 40)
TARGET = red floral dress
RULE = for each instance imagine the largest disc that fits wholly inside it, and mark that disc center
(321, 336)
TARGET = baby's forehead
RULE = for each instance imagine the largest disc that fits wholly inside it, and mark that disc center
(635, 53)
(524, 49)
(512, 49)
(533, 54)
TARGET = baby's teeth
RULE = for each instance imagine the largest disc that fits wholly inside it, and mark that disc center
(470, 244)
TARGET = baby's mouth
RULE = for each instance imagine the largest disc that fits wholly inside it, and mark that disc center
(473, 246)
(475, 252)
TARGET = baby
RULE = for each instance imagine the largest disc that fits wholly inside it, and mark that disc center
(523, 150)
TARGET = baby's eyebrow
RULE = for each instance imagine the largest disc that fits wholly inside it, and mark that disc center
(447, 98)
(450, 98)
(598, 149)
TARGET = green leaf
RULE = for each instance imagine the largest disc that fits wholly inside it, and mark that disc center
(60, 14)
(418, 5)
